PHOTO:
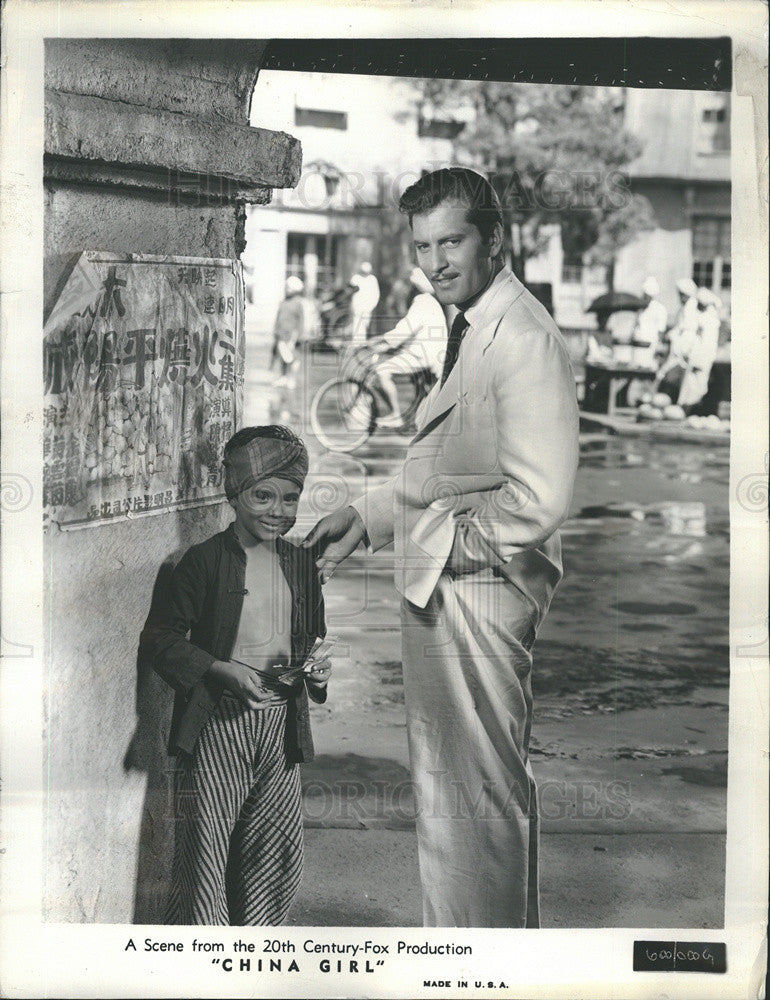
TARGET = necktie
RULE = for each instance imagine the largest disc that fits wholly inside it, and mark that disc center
(456, 334)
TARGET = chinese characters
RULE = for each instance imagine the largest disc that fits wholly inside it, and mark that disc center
(143, 382)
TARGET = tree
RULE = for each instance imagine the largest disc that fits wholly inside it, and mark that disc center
(554, 153)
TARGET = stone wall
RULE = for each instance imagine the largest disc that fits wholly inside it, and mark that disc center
(147, 150)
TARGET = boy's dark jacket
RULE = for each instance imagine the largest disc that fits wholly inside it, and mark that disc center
(205, 598)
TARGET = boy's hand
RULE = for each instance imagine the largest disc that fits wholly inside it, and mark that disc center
(241, 681)
(320, 672)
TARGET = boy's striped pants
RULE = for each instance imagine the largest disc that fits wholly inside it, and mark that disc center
(238, 848)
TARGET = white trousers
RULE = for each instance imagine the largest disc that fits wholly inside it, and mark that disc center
(359, 327)
(468, 694)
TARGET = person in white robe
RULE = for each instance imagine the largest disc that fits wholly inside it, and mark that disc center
(650, 326)
(363, 302)
(703, 351)
(681, 337)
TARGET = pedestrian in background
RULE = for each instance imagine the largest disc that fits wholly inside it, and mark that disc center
(650, 326)
(289, 331)
(289, 326)
(681, 337)
(687, 317)
(681, 334)
(363, 302)
(703, 351)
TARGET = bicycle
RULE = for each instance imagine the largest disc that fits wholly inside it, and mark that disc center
(344, 411)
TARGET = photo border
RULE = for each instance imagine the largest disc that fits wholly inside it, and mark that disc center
(37, 958)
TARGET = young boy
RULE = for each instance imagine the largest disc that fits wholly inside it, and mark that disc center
(251, 603)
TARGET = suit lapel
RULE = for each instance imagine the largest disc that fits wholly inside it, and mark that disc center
(484, 318)
(441, 399)
(488, 312)
(433, 423)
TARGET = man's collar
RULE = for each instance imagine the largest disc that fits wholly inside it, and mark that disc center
(492, 303)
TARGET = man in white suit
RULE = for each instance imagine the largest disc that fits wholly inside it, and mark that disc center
(474, 513)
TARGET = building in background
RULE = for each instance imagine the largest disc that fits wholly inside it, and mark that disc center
(365, 139)
(109, 827)
(684, 172)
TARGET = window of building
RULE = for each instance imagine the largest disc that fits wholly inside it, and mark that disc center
(714, 128)
(314, 258)
(319, 118)
(571, 271)
(438, 128)
(575, 272)
(711, 252)
(703, 273)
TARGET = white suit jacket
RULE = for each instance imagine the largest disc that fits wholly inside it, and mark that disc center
(489, 476)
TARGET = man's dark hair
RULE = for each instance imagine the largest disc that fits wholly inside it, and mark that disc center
(455, 184)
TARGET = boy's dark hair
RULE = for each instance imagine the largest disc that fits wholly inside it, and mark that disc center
(274, 431)
(455, 184)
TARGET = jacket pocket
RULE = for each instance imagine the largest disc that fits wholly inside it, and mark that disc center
(469, 445)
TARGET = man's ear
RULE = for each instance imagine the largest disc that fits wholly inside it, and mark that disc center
(496, 241)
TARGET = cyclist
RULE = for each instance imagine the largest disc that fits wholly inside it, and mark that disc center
(417, 342)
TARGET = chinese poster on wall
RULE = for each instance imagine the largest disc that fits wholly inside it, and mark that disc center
(144, 368)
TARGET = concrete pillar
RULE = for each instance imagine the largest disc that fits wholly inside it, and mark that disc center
(147, 150)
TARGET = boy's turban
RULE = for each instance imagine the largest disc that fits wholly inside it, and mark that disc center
(274, 451)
